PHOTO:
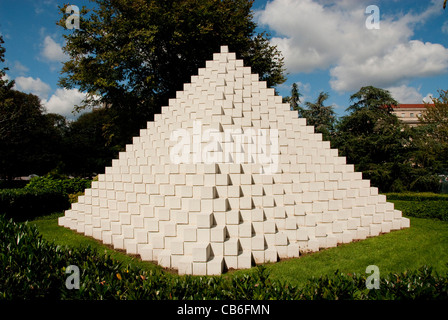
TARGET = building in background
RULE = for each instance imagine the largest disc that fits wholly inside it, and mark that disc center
(409, 113)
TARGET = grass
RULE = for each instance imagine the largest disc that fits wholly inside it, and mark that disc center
(425, 243)
(51, 231)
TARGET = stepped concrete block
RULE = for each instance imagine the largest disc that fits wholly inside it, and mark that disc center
(185, 265)
(218, 234)
(204, 220)
(245, 260)
(145, 251)
(231, 247)
(270, 255)
(164, 259)
(215, 266)
(269, 186)
(130, 245)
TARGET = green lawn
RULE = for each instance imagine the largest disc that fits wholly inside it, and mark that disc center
(50, 230)
(426, 242)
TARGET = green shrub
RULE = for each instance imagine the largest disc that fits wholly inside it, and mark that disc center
(35, 269)
(25, 204)
(65, 186)
(41, 196)
(417, 196)
(431, 209)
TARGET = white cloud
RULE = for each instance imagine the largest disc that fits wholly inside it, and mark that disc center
(404, 94)
(63, 102)
(445, 27)
(52, 51)
(20, 68)
(405, 61)
(34, 86)
(323, 34)
(428, 98)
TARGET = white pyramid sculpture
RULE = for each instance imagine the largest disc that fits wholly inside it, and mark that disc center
(227, 176)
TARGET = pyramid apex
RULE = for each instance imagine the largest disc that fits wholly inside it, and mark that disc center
(224, 49)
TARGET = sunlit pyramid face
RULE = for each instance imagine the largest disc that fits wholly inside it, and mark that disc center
(227, 176)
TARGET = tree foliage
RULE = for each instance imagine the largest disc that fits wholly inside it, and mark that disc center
(88, 150)
(320, 116)
(431, 137)
(28, 141)
(372, 98)
(380, 145)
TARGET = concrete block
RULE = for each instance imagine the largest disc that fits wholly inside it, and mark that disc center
(405, 223)
(218, 234)
(231, 247)
(281, 239)
(231, 262)
(257, 215)
(258, 243)
(270, 255)
(204, 220)
(234, 191)
(201, 252)
(374, 229)
(185, 266)
(269, 227)
(245, 203)
(220, 205)
(245, 230)
(145, 252)
(169, 229)
(208, 192)
(232, 217)
(141, 235)
(189, 233)
(362, 233)
(164, 259)
(177, 247)
(130, 245)
(245, 260)
(293, 250)
(215, 266)
(279, 213)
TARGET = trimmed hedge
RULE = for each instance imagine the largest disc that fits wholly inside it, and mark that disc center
(64, 186)
(421, 205)
(41, 196)
(411, 196)
(35, 269)
(24, 204)
(423, 209)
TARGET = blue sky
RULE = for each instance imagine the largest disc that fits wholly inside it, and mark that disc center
(326, 44)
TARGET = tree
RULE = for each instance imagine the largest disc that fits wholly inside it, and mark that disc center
(375, 140)
(87, 150)
(320, 116)
(294, 99)
(137, 54)
(5, 84)
(373, 99)
(377, 143)
(28, 141)
(436, 116)
(431, 137)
